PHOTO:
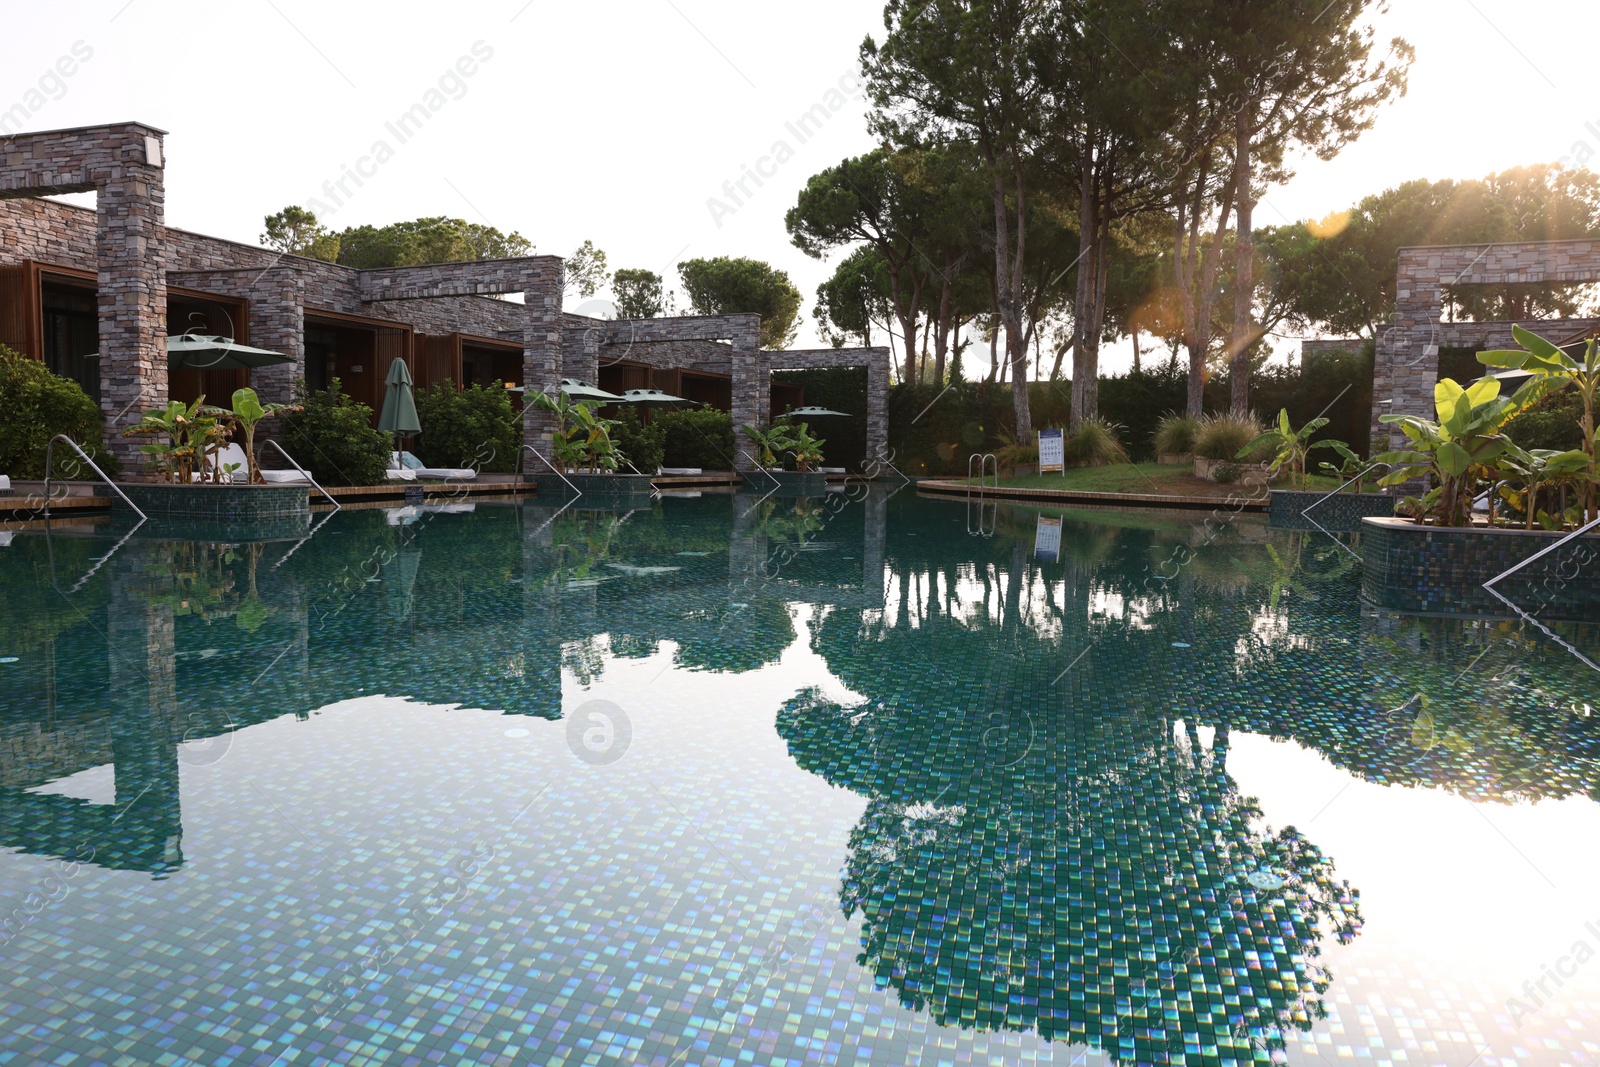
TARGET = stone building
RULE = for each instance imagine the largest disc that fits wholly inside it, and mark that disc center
(95, 293)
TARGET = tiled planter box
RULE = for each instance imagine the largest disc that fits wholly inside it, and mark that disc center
(618, 486)
(790, 483)
(217, 512)
(1436, 569)
(1339, 513)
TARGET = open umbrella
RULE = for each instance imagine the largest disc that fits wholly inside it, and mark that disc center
(650, 397)
(190, 351)
(577, 390)
(399, 415)
(812, 411)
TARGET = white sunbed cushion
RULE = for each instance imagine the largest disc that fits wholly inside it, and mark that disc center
(462, 473)
(285, 477)
(401, 476)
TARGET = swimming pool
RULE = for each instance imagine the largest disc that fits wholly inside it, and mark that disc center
(742, 780)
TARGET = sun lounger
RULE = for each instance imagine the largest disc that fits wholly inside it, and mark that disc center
(406, 461)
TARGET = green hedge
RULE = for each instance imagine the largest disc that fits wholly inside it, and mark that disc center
(332, 437)
(35, 405)
(472, 427)
(642, 445)
(700, 437)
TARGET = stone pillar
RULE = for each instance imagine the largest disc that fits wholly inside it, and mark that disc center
(1406, 365)
(746, 366)
(130, 246)
(764, 385)
(877, 406)
(541, 360)
(278, 322)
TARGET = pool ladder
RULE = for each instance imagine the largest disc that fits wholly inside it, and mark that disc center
(988, 520)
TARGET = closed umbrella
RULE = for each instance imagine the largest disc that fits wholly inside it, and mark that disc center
(399, 415)
(190, 351)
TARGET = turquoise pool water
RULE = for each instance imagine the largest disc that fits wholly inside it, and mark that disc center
(740, 781)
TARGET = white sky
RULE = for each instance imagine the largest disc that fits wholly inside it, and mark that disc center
(618, 121)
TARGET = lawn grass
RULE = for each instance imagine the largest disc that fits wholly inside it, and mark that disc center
(1156, 479)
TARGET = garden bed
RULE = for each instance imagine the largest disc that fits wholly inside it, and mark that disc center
(1338, 512)
(217, 512)
(1439, 569)
(622, 486)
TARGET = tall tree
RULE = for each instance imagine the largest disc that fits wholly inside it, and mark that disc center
(1299, 74)
(427, 240)
(728, 286)
(296, 231)
(640, 294)
(586, 270)
(969, 71)
(854, 302)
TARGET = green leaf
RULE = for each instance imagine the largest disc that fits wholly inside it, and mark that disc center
(1483, 390)
(1535, 344)
(1506, 358)
(1453, 459)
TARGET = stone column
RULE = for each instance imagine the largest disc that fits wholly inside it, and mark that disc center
(746, 366)
(278, 322)
(1406, 366)
(130, 246)
(877, 405)
(541, 361)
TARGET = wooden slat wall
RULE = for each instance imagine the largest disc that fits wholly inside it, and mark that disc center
(392, 344)
(20, 309)
(438, 359)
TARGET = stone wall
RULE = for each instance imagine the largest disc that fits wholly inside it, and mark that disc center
(122, 165)
(1407, 365)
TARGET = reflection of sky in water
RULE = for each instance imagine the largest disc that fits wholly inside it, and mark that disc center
(1027, 781)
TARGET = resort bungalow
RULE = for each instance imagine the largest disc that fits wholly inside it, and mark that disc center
(95, 293)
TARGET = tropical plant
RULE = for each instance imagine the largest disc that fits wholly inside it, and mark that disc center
(1553, 369)
(1291, 447)
(332, 436)
(771, 442)
(1097, 443)
(35, 405)
(582, 438)
(1454, 452)
(246, 414)
(1225, 436)
(1175, 434)
(191, 435)
(1351, 469)
(1536, 469)
(807, 450)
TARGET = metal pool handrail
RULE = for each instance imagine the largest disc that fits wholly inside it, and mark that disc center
(305, 473)
(49, 449)
(547, 463)
(776, 482)
(1543, 552)
(983, 460)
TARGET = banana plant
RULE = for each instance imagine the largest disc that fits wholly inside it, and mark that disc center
(1293, 447)
(807, 449)
(772, 442)
(190, 433)
(1553, 370)
(1455, 451)
(247, 413)
(1537, 468)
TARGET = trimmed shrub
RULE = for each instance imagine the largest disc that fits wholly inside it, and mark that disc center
(1175, 434)
(35, 405)
(1223, 436)
(332, 437)
(471, 427)
(699, 437)
(642, 445)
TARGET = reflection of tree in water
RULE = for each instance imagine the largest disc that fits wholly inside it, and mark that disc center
(1090, 883)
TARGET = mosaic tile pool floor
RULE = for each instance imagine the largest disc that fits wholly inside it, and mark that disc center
(730, 781)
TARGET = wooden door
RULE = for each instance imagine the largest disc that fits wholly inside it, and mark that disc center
(20, 309)
(438, 359)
